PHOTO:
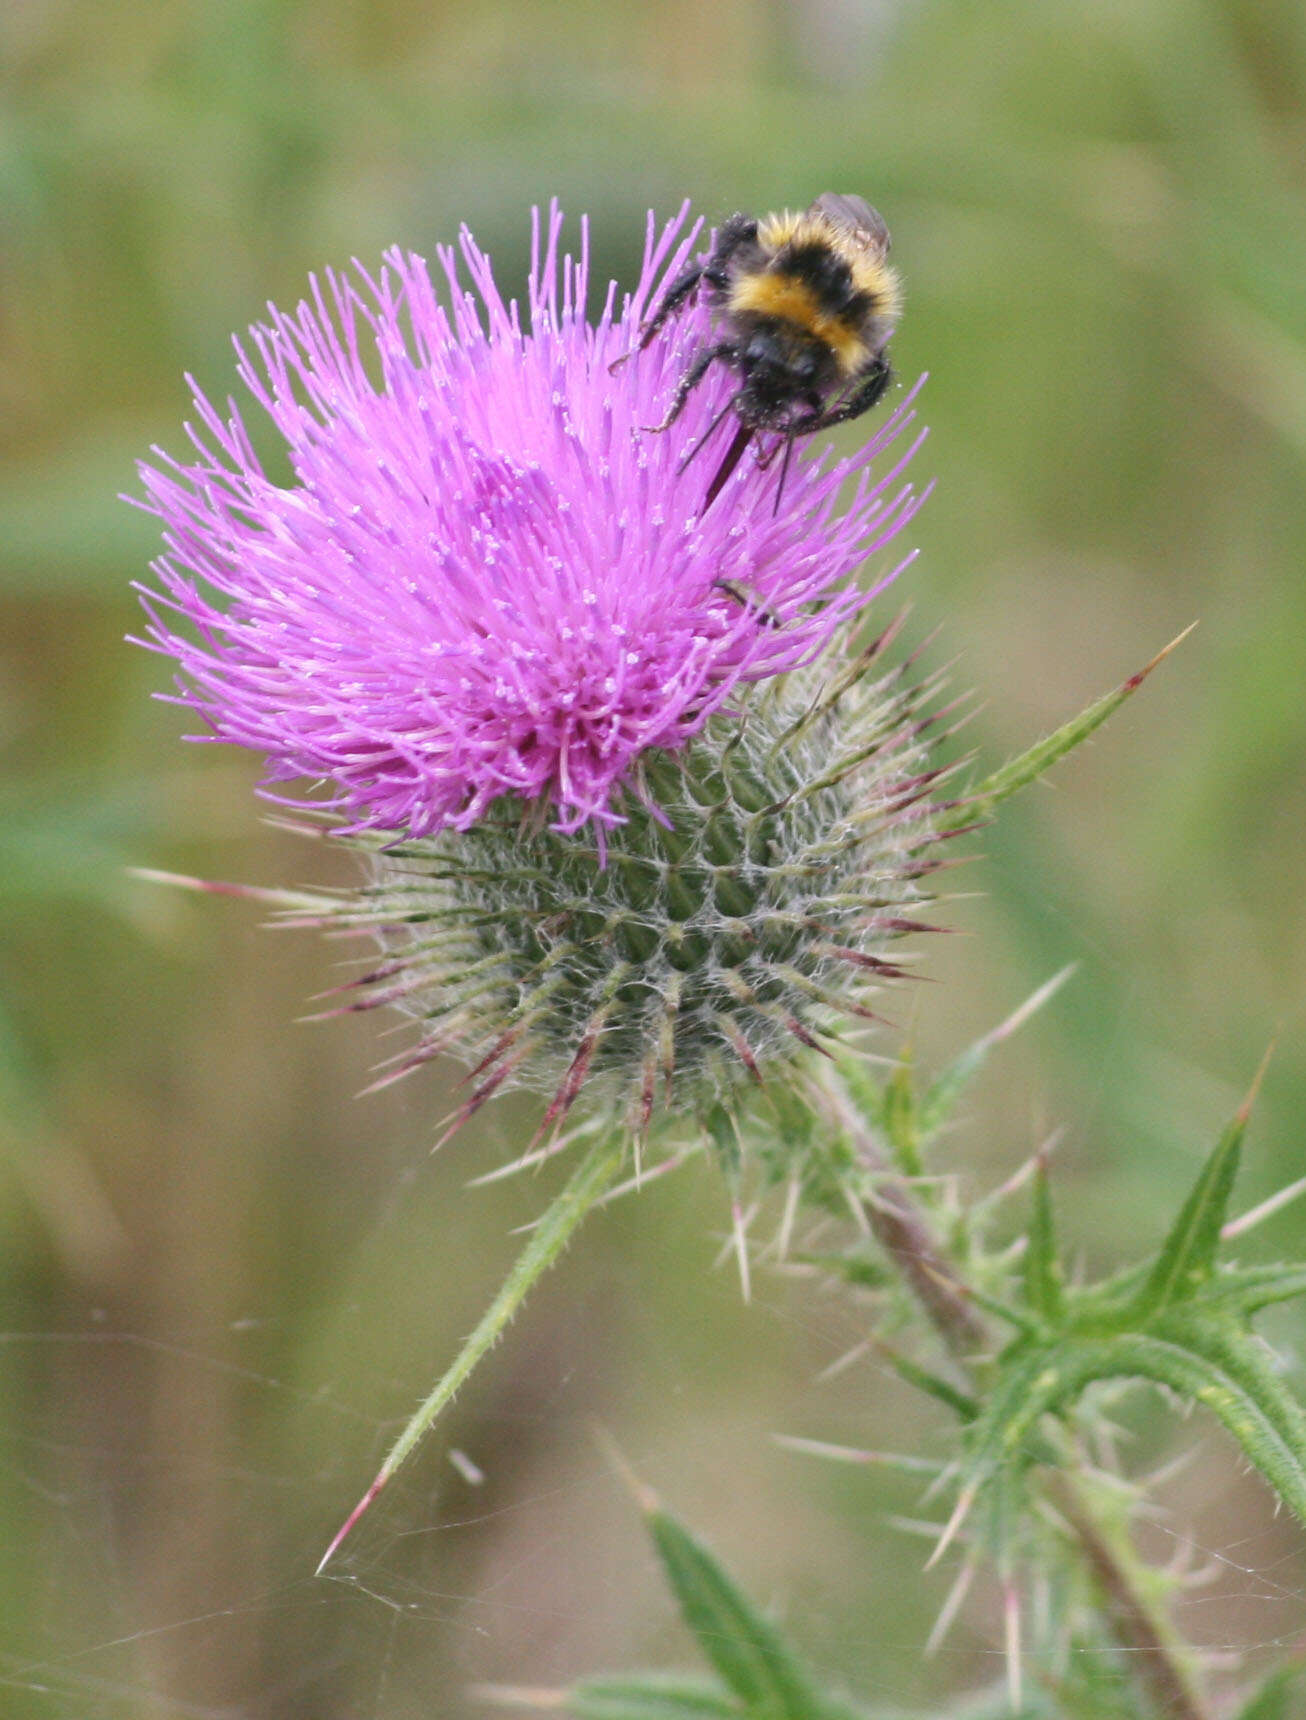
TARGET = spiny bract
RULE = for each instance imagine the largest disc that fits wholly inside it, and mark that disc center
(735, 915)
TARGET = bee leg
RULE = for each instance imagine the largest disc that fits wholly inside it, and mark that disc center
(767, 458)
(676, 294)
(737, 231)
(690, 381)
(784, 473)
(863, 397)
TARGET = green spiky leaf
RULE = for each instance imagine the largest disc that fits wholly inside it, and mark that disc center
(1043, 1290)
(1233, 1375)
(1203, 1357)
(1029, 766)
(1187, 1258)
(1181, 1321)
(742, 1645)
(1245, 1290)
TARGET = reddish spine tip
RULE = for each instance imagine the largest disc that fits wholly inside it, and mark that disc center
(349, 1522)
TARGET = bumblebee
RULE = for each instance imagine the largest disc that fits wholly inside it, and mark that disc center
(806, 306)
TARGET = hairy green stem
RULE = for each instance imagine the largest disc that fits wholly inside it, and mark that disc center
(903, 1231)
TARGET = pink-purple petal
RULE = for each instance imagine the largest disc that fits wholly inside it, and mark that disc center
(487, 576)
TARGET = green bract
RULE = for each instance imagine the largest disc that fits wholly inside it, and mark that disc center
(741, 909)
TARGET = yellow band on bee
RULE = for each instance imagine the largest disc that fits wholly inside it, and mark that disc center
(783, 296)
(870, 271)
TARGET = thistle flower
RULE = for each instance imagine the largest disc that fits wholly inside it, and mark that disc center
(637, 821)
(486, 578)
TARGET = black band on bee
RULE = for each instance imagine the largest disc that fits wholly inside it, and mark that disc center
(819, 268)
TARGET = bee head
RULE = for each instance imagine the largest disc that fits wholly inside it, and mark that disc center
(782, 369)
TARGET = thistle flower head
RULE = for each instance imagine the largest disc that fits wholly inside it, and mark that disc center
(637, 822)
(485, 576)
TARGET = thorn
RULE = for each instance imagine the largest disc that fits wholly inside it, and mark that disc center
(360, 1005)
(919, 1526)
(742, 1050)
(408, 1066)
(350, 1520)
(632, 1185)
(1038, 1160)
(1011, 1613)
(518, 1696)
(840, 1363)
(850, 1454)
(955, 830)
(1267, 1208)
(559, 1144)
(953, 1526)
(741, 1249)
(881, 643)
(858, 1210)
(389, 971)
(1031, 1006)
(875, 964)
(785, 1233)
(667, 1039)
(571, 1083)
(214, 887)
(503, 1043)
(648, 1091)
(1253, 1092)
(803, 1037)
(1136, 681)
(466, 1111)
(950, 1608)
(644, 1496)
(897, 923)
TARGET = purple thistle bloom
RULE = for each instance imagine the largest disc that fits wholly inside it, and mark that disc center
(487, 576)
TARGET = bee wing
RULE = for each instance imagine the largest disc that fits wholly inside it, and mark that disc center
(856, 217)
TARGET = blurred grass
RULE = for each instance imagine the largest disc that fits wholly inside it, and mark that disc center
(222, 1278)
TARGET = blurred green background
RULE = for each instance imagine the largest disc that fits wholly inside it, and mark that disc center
(223, 1279)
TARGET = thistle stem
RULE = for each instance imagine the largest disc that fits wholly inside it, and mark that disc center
(1138, 1627)
(907, 1237)
(901, 1230)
